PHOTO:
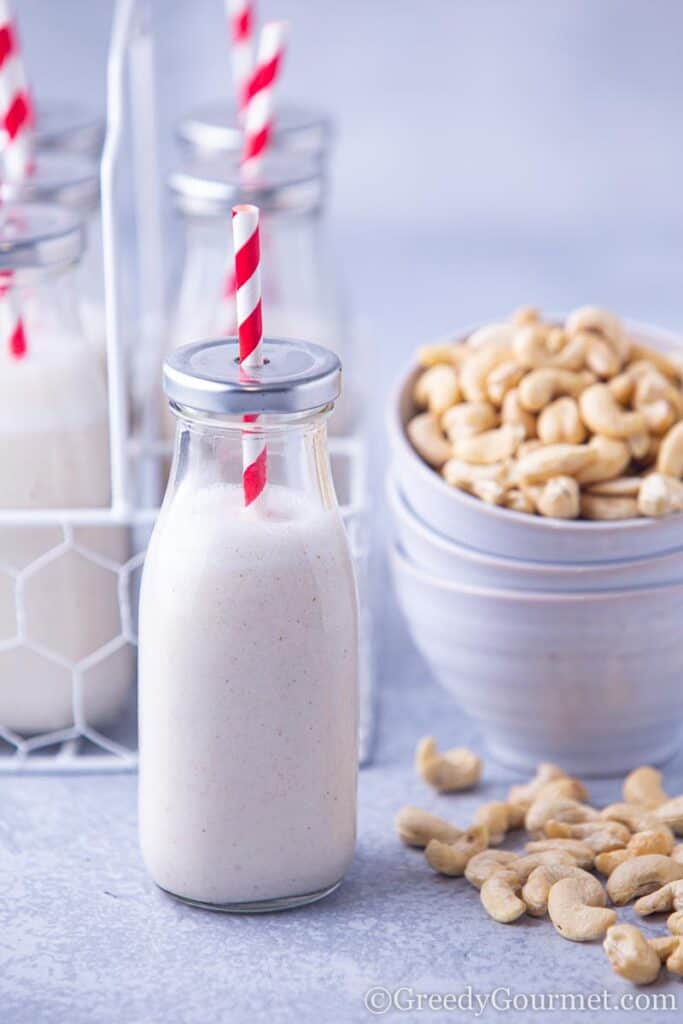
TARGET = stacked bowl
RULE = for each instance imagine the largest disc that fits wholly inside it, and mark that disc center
(563, 638)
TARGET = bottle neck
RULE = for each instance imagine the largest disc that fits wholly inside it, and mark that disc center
(211, 450)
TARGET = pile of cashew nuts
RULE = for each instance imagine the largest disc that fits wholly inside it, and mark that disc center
(572, 420)
(571, 843)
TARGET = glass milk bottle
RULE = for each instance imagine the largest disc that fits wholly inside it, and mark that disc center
(57, 606)
(213, 130)
(248, 658)
(72, 181)
(300, 294)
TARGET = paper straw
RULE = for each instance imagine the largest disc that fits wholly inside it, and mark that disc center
(241, 21)
(16, 106)
(258, 120)
(245, 229)
(11, 324)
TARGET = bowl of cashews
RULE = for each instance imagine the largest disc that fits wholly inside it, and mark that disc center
(536, 495)
(558, 440)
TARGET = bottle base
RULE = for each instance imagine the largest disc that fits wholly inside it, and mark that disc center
(257, 906)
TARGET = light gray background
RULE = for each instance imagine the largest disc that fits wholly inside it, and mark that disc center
(490, 153)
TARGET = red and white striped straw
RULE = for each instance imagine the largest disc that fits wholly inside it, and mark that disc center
(16, 106)
(12, 334)
(258, 120)
(241, 19)
(245, 229)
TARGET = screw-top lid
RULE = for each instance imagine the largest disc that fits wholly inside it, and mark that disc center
(34, 235)
(295, 377)
(213, 129)
(286, 182)
(57, 177)
(69, 127)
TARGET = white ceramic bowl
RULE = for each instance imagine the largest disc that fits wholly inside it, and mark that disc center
(591, 681)
(428, 550)
(499, 531)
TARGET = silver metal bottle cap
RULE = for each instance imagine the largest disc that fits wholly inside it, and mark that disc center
(296, 377)
(35, 235)
(213, 129)
(286, 182)
(70, 127)
(65, 178)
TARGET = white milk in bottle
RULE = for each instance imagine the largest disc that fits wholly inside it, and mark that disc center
(58, 607)
(249, 643)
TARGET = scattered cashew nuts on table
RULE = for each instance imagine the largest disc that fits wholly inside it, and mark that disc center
(630, 842)
(599, 408)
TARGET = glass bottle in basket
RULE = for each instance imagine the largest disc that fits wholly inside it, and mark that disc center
(59, 605)
(300, 289)
(248, 665)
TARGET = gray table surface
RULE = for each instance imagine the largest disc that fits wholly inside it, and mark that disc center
(86, 938)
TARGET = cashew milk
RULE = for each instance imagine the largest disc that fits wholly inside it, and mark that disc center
(55, 454)
(248, 698)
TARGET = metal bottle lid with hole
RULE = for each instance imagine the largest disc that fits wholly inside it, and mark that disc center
(285, 183)
(213, 129)
(296, 377)
(69, 127)
(57, 177)
(36, 235)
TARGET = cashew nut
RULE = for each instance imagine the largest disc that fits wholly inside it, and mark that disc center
(476, 368)
(465, 475)
(513, 412)
(620, 487)
(501, 380)
(417, 828)
(468, 418)
(554, 460)
(525, 315)
(637, 818)
(677, 853)
(450, 858)
(440, 352)
(518, 500)
(643, 786)
(577, 908)
(547, 806)
(603, 415)
(532, 348)
(671, 814)
(670, 458)
(491, 446)
(539, 387)
(437, 389)
(601, 836)
(605, 863)
(426, 438)
(580, 852)
(630, 954)
(664, 945)
(539, 883)
(500, 896)
(560, 423)
(602, 323)
(525, 794)
(560, 498)
(666, 365)
(601, 357)
(651, 840)
(499, 818)
(453, 770)
(639, 445)
(610, 458)
(491, 335)
(660, 495)
(659, 416)
(674, 962)
(599, 507)
(668, 897)
(639, 876)
(482, 865)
